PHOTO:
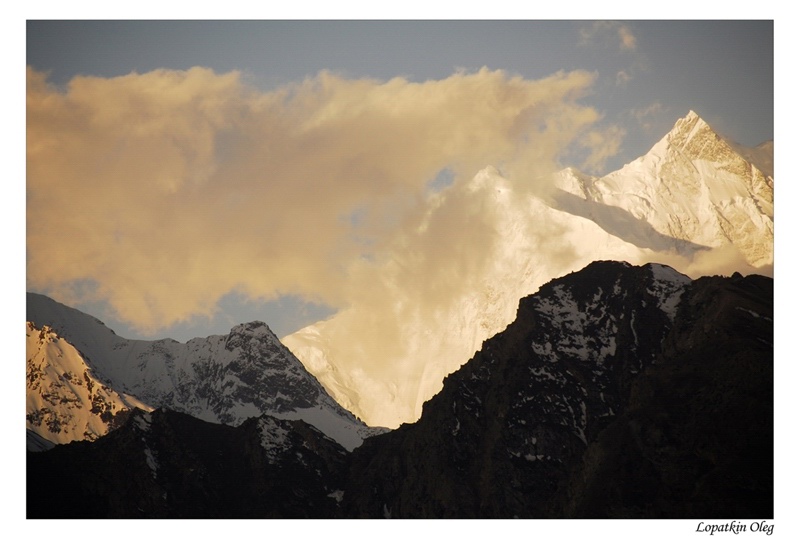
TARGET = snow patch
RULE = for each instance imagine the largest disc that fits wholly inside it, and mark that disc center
(274, 438)
(151, 461)
(754, 314)
(668, 286)
(456, 428)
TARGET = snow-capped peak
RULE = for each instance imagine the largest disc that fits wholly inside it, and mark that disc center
(223, 379)
(696, 138)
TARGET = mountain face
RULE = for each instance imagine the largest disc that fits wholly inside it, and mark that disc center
(695, 201)
(618, 391)
(694, 191)
(80, 375)
(65, 399)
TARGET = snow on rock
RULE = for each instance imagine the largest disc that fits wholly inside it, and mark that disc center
(587, 332)
(693, 190)
(222, 379)
(668, 285)
(275, 438)
(66, 401)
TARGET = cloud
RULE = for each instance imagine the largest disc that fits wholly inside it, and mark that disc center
(648, 117)
(170, 189)
(609, 34)
(446, 282)
(623, 77)
(627, 41)
(601, 145)
(721, 260)
(605, 36)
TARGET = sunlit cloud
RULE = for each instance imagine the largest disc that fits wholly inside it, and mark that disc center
(601, 146)
(623, 77)
(610, 34)
(650, 116)
(627, 41)
(168, 190)
(724, 259)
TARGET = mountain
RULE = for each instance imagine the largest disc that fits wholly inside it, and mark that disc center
(65, 399)
(37, 443)
(618, 391)
(695, 201)
(81, 375)
(693, 191)
(170, 465)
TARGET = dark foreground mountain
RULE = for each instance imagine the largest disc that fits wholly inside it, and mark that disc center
(618, 391)
(167, 464)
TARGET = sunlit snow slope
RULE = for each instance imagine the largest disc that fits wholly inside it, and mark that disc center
(65, 399)
(695, 202)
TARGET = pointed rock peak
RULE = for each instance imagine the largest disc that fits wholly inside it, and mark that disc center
(693, 117)
(686, 127)
(694, 139)
(254, 329)
(254, 333)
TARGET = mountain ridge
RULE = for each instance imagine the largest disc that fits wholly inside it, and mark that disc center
(535, 426)
(224, 379)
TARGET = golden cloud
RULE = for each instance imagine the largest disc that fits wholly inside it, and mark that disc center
(170, 189)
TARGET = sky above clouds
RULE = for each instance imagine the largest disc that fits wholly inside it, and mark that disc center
(183, 177)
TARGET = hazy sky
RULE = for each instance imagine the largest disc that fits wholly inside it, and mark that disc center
(187, 176)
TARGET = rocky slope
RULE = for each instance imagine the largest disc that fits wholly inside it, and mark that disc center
(65, 400)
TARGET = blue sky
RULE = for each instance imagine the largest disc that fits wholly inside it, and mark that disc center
(644, 75)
